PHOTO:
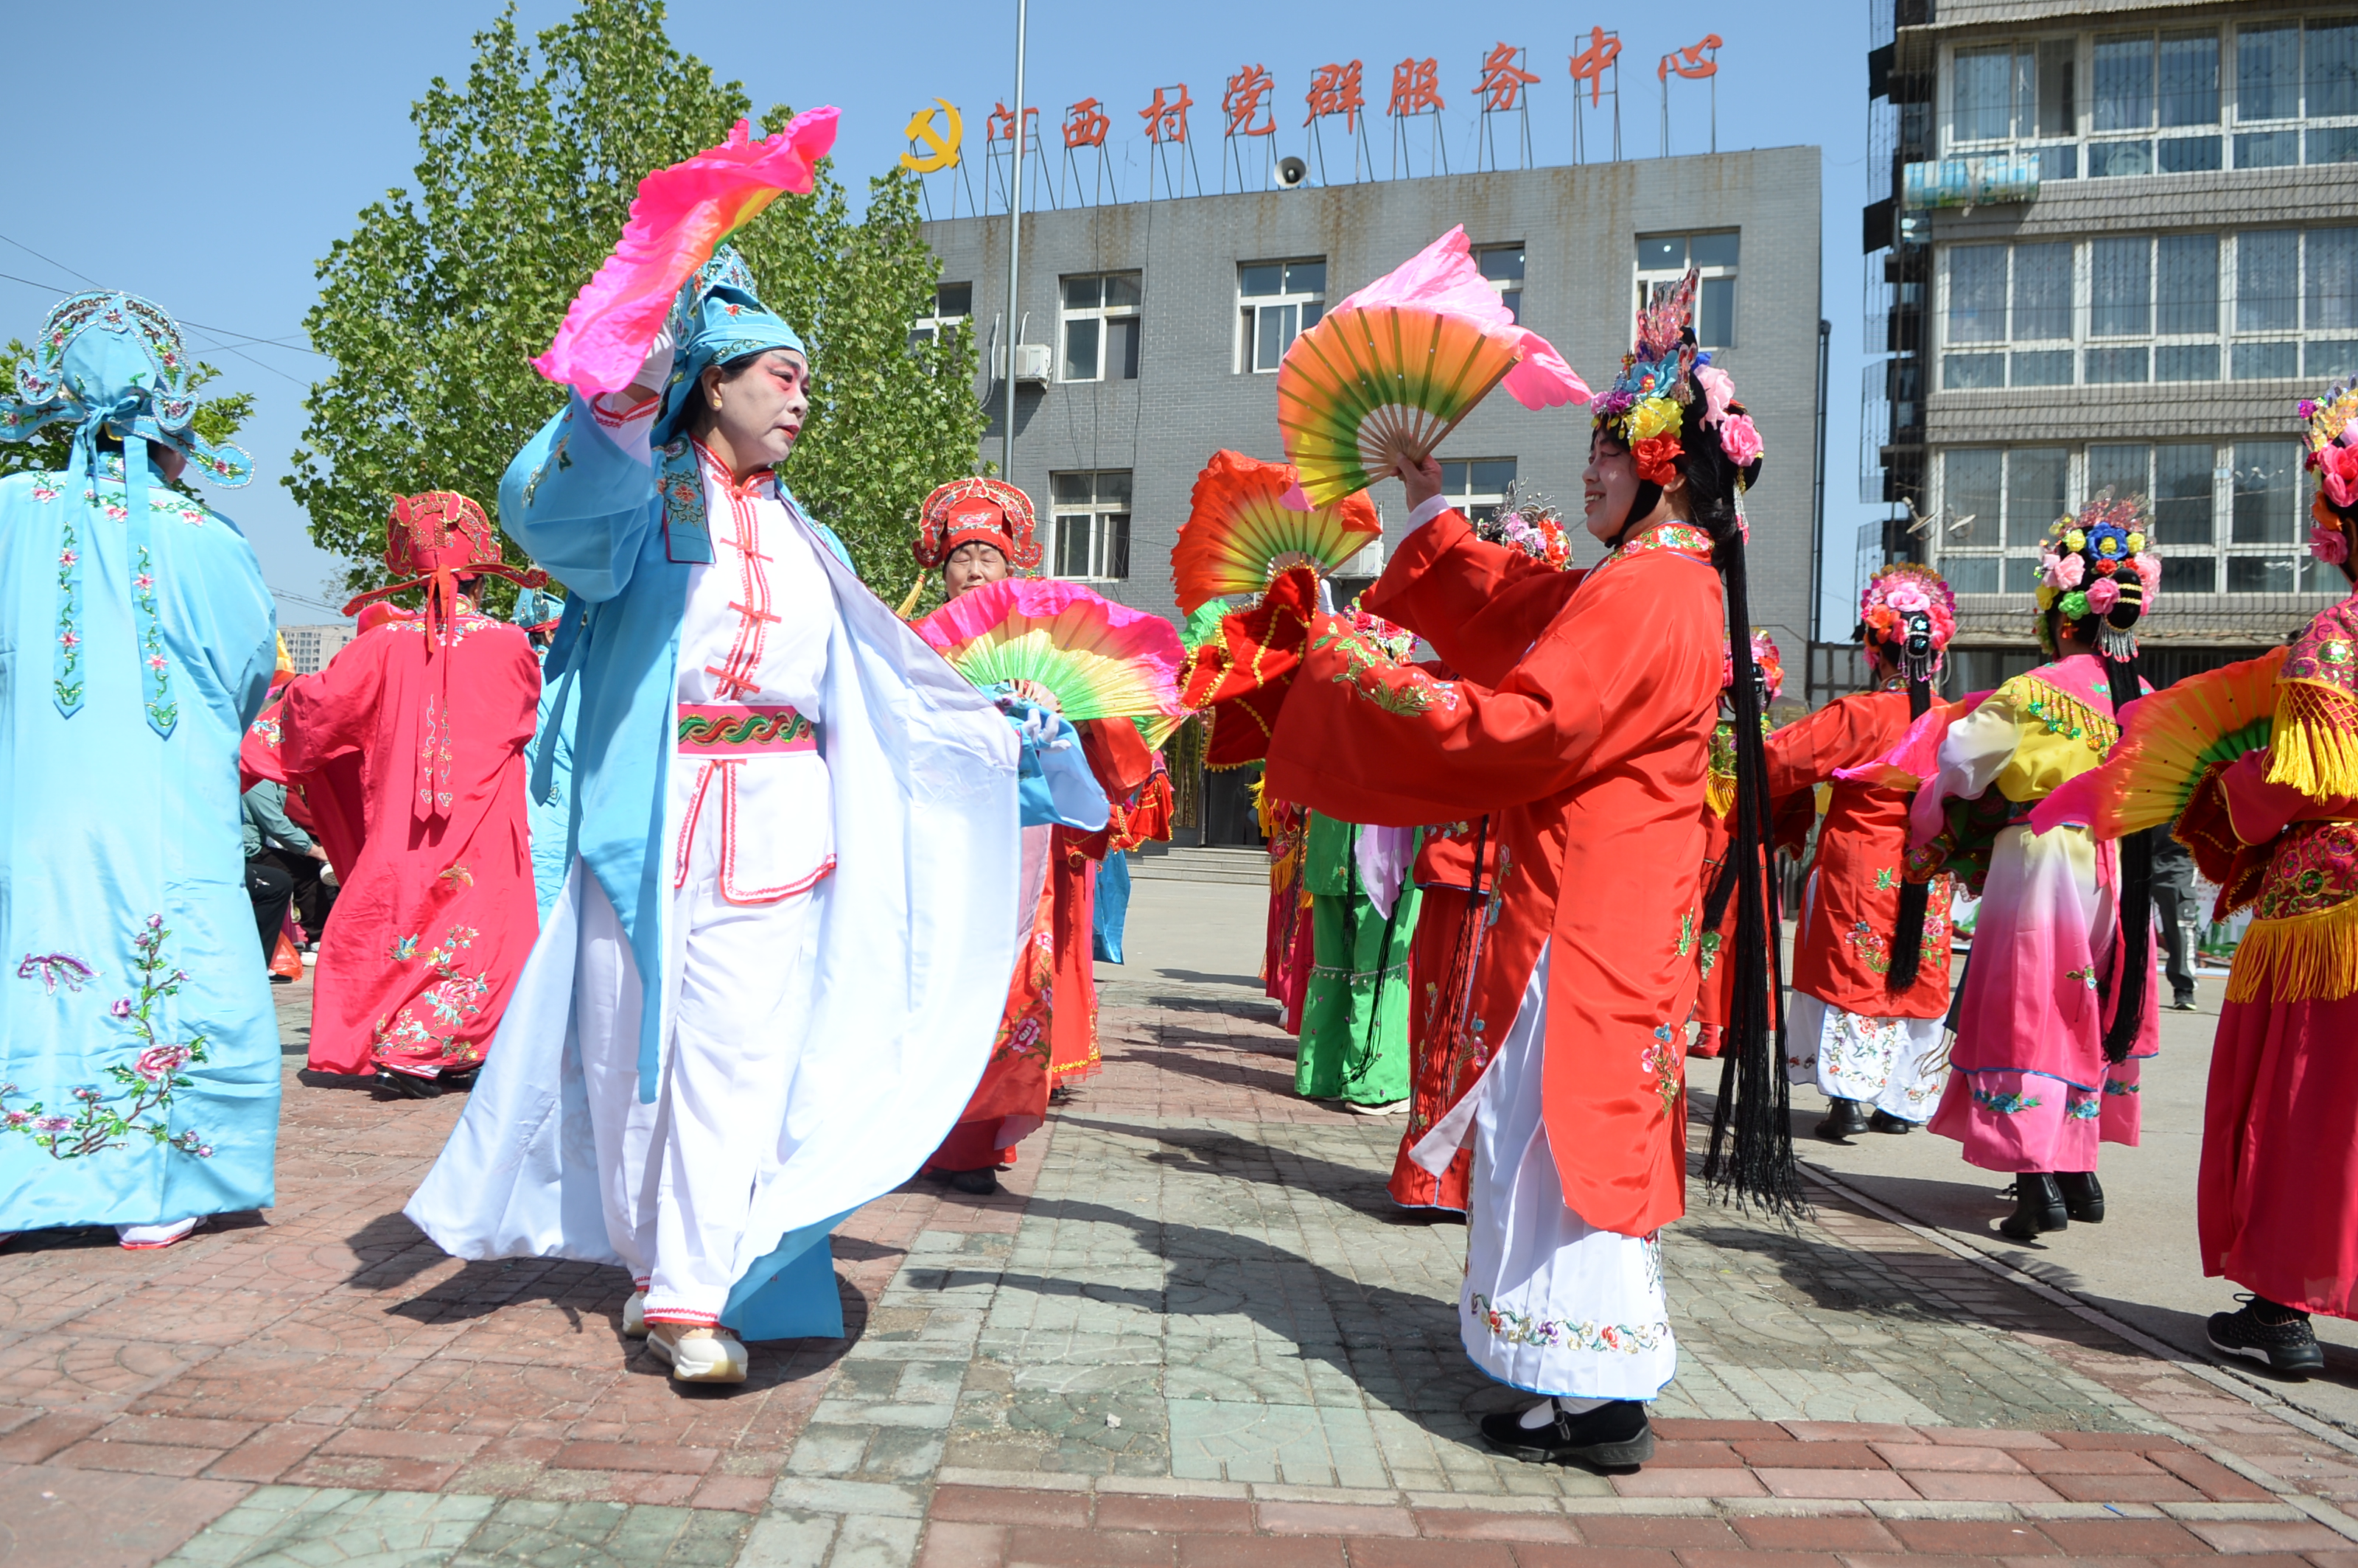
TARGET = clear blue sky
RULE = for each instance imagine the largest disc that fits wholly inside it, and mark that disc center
(254, 131)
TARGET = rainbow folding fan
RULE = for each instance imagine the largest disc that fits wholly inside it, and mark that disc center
(1240, 532)
(2171, 737)
(677, 220)
(1099, 659)
(1389, 372)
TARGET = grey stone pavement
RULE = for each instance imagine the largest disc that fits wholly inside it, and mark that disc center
(1196, 1295)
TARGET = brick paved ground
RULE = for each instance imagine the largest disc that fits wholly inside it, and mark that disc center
(1192, 1332)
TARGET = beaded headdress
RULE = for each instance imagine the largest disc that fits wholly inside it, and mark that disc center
(1532, 524)
(1896, 596)
(2101, 563)
(2332, 438)
(968, 511)
(1665, 381)
(1766, 658)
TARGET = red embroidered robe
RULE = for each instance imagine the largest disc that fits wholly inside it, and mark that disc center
(436, 913)
(1584, 724)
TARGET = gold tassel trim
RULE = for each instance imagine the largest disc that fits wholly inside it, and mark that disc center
(916, 591)
(1719, 792)
(2307, 957)
(2313, 745)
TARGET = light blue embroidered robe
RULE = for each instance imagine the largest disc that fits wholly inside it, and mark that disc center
(917, 931)
(138, 1044)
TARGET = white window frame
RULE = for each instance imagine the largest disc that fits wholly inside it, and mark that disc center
(1103, 314)
(1106, 519)
(2069, 155)
(925, 329)
(1307, 308)
(1510, 289)
(1652, 280)
(1459, 488)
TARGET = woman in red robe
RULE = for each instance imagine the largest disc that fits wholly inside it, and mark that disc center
(436, 913)
(2277, 1202)
(1457, 869)
(1871, 960)
(1582, 725)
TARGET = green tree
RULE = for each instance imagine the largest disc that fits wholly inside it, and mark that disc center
(217, 419)
(434, 305)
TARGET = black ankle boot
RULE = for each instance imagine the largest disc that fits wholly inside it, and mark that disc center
(1844, 1118)
(2037, 1206)
(2083, 1200)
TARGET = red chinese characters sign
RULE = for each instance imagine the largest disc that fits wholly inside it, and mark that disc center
(1001, 126)
(1166, 117)
(1416, 87)
(1335, 89)
(1086, 125)
(1690, 62)
(1246, 99)
(1503, 78)
(1589, 65)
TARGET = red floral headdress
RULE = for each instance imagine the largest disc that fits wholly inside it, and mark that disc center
(968, 511)
(433, 540)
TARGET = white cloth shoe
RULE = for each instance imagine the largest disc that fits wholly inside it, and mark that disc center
(148, 1238)
(1390, 1107)
(698, 1355)
(634, 1315)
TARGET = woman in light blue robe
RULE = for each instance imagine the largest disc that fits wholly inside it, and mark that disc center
(139, 1057)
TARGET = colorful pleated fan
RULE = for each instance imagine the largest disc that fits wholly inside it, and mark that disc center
(1101, 660)
(1240, 532)
(678, 219)
(1392, 369)
(2169, 741)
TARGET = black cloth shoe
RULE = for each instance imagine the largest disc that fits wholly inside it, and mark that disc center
(407, 1086)
(2037, 1206)
(1844, 1118)
(1615, 1435)
(981, 1184)
(1884, 1121)
(2278, 1337)
(2083, 1199)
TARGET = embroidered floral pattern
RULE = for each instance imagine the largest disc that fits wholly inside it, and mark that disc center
(2006, 1104)
(424, 1029)
(267, 729)
(1710, 958)
(2114, 1086)
(2062, 713)
(67, 666)
(162, 711)
(2312, 868)
(1521, 1328)
(1402, 689)
(434, 757)
(53, 970)
(1660, 1057)
(1874, 948)
(2080, 1107)
(1885, 879)
(2086, 976)
(147, 1083)
(1024, 1036)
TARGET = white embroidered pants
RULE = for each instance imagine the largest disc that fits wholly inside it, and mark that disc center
(1896, 1065)
(1551, 1304)
(676, 1176)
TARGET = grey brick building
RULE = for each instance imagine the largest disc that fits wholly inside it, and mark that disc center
(2113, 244)
(1155, 327)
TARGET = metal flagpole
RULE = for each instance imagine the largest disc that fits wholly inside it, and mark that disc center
(1014, 254)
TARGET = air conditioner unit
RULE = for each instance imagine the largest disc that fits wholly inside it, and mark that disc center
(1031, 362)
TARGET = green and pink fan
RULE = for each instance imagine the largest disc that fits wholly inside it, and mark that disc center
(1390, 371)
(1098, 659)
(1241, 530)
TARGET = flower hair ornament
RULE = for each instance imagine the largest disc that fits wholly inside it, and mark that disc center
(969, 511)
(1667, 386)
(2100, 564)
(1532, 524)
(1909, 610)
(1768, 663)
(2333, 454)
(1396, 641)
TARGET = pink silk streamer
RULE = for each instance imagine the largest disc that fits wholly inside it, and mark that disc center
(1443, 278)
(678, 219)
(1914, 761)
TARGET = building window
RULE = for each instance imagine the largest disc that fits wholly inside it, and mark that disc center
(1503, 265)
(1664, 259)
(1477, 487)
(953, 306)
(1100, 327)
(1091, 515)
(2295, 310)
(1277, 301)
(2263, 94)
(2227, 515)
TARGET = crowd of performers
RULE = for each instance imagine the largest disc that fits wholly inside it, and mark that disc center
(631, 866)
